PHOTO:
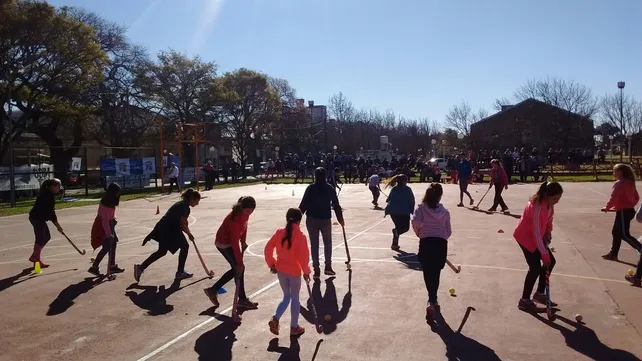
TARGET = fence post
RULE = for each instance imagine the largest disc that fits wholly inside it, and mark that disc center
(595, 170)
(86, 168)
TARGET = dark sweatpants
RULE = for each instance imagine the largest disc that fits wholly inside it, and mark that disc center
(40, 231)
(432, 256)
(402, 225)
(162, 251)
(228, 254)
(535, 269)
(498, 200)
(622, 231)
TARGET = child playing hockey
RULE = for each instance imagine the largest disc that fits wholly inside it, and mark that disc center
(168, 232)
(431, 223)
(401, 204)
(292, 259)
(499, 180)
(44, 209)
(231, 242)
(533, 234)
(624, 198)
(103, 232)
(464, 171)
(373, 185)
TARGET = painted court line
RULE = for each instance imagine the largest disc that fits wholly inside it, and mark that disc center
(212, 319)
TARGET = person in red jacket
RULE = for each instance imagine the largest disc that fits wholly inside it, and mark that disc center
(624, 198)
(231, 242)
(499, 180)
(292, 260)
(537, 217)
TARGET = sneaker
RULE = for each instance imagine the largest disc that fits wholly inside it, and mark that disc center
(328, 271)
(274, 326)
(116, 269)
(610, 257)
(317, 273)
(236, 319)
(247, 304)
(183, 275)
(211, 294)
(297, 331)
(541, 298)
(395, 247)
(526, 305)
(635, 281)
(471, 202)
(491, 210)
(505, 210)
(138, 271)
(94, 271)
(430, 313)
(460, 204)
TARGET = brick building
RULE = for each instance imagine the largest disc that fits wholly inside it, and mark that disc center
(532, 123)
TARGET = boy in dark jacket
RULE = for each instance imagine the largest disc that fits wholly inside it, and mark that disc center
(317, 202)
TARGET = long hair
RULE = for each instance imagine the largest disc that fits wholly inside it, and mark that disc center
(293, 216)
(50, 183)
(398, 179)
(245, 202)
(190, 195)
(111, 198)
(626, 171)
(433, 195)
(547, 189)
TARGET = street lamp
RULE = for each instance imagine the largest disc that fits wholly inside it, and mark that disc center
(620, 85)
(629, 137)
(460, 136)
(433, 142)
(276, 150)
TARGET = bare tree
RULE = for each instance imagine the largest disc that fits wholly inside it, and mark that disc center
(341, 108)
(500, 102)
(460, 117)
(623, 112)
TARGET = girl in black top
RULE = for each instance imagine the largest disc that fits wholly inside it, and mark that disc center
(168, 232)
(44, 210)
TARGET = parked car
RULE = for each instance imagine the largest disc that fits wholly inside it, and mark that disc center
(441, 162)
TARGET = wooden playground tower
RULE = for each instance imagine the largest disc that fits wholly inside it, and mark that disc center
(193, 133)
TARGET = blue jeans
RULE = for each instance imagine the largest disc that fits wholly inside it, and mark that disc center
(291, 286)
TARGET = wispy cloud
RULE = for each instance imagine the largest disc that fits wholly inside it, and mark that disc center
(149, 9)
(209, 14)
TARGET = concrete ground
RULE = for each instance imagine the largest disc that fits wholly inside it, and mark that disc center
(376, 310)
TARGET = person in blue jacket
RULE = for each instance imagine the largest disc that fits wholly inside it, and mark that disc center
(401, 204)
(464, 170)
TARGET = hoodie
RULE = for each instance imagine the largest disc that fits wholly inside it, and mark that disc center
(318, 200)
(232, 233)
(401, 201)
(536, 221)
(291, 261)
(429, 222)
(623, 196)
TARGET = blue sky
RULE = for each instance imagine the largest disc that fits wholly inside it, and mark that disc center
(416, 57)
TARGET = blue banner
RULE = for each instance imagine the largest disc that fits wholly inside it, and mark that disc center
(107, 167)
(136, 166)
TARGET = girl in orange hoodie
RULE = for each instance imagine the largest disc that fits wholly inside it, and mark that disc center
(624, 198)
(292, 259)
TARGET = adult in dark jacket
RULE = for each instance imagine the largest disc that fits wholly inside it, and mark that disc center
(464, 171)
(316, 204)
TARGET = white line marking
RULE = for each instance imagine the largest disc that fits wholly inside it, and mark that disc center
(212, 319)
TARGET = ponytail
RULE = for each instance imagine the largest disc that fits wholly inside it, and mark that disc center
(293, 216)
(433, 195)
(245, 202)
(397, 179)
(546, 189)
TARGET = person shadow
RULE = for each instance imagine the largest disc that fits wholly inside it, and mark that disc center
(328, 305)
(67, 296)
(458, 346)
(153, 298)
(216, 344)
(292, 353)
(410, 260)
(585, 341)
(16, 279)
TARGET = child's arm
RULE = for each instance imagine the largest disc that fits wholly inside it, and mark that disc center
(270, 246)
(417, 218)
(539, 238)
(615, 194)
(303, 255)
(185, 228)
(105, 218)
(303, 206)
(449, 230)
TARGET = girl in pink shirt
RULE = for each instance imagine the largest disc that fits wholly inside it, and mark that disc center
(103, 231)
(623, 200)
(533, 234)
(292, 259)
(431, 223)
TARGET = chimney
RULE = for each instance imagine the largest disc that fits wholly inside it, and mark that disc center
(310, 103)
(506, 107)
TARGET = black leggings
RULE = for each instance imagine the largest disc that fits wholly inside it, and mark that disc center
(498, 200)
(109, 246)
(622, 231)
(228, 254)
(402, 222)
(182, 257)
(432, 256)
(535, 269)
(463, 189)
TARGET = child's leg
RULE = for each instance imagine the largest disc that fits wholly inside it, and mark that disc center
(101, 254)
(153, 258)
(534, 270)
(313, 232)
(617, 233)
(228, 254)
(627, 217)
(182, 258)
(325, 226)
(295, 289)
(284, 281)
(402, 223)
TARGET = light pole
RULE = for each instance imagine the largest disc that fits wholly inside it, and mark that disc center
(433, 142)
(12, 175)
(276, 151)
(620, 85)
(611, 148)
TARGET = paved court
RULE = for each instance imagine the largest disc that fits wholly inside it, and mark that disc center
(376, 310)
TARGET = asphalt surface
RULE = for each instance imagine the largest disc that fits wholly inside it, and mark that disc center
(376, 310)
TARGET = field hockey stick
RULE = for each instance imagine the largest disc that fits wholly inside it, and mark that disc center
(235, 302)
(345, 242)
(314, 309)
(209, 272)
(482, 198)
(452, 266)
(549, 306)
(82, 253)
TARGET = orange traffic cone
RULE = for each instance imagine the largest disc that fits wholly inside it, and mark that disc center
(157, 210)
(500, 231)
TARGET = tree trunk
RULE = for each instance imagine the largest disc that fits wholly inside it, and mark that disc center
(61, 156)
